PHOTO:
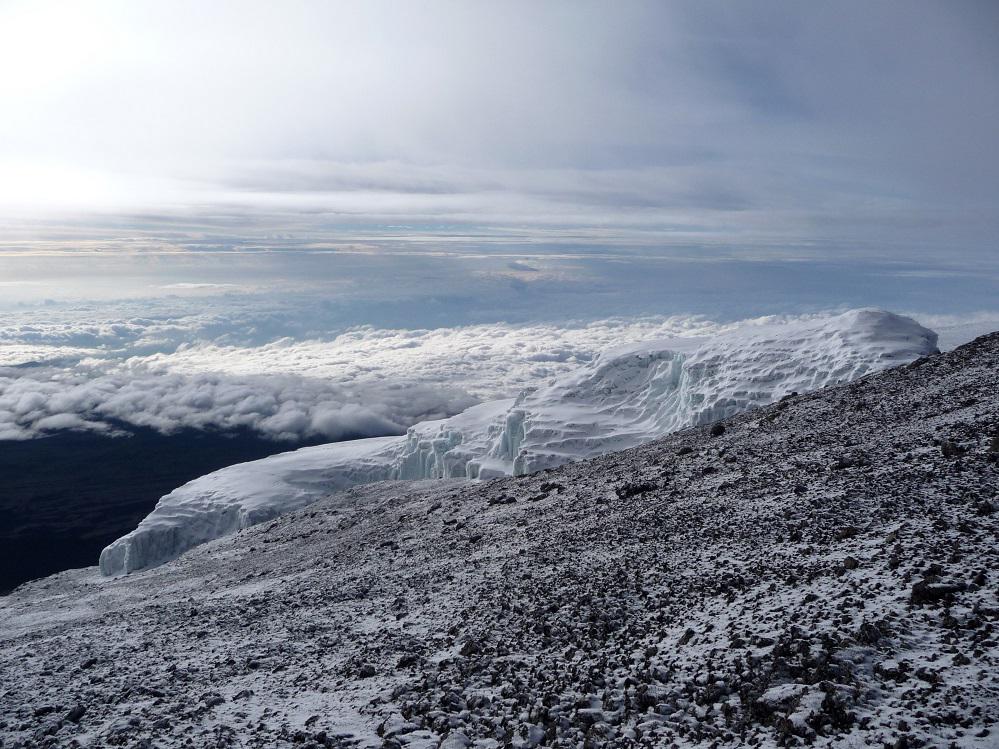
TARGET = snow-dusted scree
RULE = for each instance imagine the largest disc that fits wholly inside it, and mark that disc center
(821, 571)
(624, 398)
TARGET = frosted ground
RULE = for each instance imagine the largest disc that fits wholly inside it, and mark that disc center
(822, 572)
(626, 396)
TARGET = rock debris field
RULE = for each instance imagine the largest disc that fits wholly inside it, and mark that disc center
(820, 572)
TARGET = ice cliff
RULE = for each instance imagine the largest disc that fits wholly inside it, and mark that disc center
(625, 397)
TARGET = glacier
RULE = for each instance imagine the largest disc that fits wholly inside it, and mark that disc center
(624, 397)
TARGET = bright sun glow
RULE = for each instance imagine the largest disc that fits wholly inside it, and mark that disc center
(45, 49)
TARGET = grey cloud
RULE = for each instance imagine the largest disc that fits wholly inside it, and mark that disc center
(776, 118)
(33, 402)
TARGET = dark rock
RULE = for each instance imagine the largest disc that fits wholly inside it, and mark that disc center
(930, 677)
(469, 648)
(626, 491)
(717, 430)
(926, 592)
(869, 634)
(891, 670)
(951, 450)
(408, 660)
(843, 462)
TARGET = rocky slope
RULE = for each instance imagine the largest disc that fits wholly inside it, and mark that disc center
(821, 571)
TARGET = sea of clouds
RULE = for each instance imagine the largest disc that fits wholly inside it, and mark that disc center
(302, 347)
(204, 372)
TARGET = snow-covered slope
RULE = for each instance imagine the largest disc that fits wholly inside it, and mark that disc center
(624, 398)
(821, 574)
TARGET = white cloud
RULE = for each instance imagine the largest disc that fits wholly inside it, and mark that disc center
(366, 381)
(194, 286)
(953, 330)
(247, 365)
(484, 360)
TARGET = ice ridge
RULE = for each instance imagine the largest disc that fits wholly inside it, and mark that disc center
(625, 397)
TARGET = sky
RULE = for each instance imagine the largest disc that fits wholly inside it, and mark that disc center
(864, 127)
(338, 218)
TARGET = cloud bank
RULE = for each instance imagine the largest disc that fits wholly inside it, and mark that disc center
(847, 123)
(108, 400)
(282, 369)
(364, 382)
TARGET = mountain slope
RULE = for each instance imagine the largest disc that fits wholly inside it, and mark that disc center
(823, 571)
(624, 398)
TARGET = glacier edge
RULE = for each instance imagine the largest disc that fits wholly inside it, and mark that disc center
(624, 397)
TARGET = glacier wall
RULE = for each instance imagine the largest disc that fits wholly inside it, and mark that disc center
(626, 396)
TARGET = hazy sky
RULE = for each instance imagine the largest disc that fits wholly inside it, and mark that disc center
(322, 218)
(839, 126)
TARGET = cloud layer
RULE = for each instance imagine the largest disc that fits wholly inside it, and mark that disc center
(108, 399)
(849, 123)
(364, 382)
(286, 371)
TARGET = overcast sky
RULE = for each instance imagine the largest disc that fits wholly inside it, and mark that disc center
(322, 218)
(847, 124)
